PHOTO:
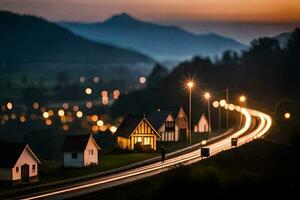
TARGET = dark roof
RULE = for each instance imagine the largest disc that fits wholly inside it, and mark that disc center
(128, 125)
(158, 118)
(10, 153)
(76, 143)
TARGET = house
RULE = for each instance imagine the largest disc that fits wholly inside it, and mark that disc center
(183, 124)
(202, 126)
(135, 131)
(164, 124)
(18, 163)
(80, 151)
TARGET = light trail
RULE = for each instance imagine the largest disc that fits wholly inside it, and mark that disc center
(264, 126)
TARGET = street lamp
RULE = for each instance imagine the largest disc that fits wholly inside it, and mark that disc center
(207, 97)
(190, 85)
(242, 101)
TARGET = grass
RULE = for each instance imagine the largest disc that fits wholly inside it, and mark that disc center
(52, 171)
(256, 169)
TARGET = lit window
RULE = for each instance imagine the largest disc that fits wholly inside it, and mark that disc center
(139, 139)
(74, 155)
(147, 141)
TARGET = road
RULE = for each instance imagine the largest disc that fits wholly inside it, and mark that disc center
(245, 134)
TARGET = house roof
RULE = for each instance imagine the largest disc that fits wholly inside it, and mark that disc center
(10, 153)
(77, 143)
(129, 124)
(158, 118)
(181, 114)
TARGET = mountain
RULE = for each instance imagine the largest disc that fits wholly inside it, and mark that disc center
(158, 41)
(27, 40)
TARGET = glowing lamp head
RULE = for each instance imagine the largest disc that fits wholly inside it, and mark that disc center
(190, 84)
(222, 103)
(203, 142)
(242, 98)
(207, 95)
(287, 115)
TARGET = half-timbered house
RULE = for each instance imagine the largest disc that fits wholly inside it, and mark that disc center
(136, 131)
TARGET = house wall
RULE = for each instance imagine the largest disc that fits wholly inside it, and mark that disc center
(89, 158)
(70, 162)
(5, 174)
(25, 158)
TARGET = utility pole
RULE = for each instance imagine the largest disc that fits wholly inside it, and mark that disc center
(227, 111)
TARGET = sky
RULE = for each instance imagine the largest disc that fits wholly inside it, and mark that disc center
(227, 17)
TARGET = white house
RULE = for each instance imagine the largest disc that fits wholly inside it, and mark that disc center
(164, 124)
(202, 126)
(18, 163)
(80, 151)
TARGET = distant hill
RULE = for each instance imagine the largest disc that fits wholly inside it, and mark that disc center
(158, 41)
(30, 40)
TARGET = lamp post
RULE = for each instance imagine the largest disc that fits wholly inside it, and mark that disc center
(207, 97)
(242, 101)
(190, 85)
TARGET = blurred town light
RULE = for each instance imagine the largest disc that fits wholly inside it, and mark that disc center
(100, 123)
(61, 112)
(116, 94)
(9, 105)
(46, 115)
(82, 79)
(88, 91)
(35, 105)
(222, 103)
(22, 119)
(48, 122)
(79, 114)
(287, 115)
(216, 104)
(96, 79)
(142, 80)
(66, 106)
(113, 129)
(89, 104)
(94, 118)
(242, 98)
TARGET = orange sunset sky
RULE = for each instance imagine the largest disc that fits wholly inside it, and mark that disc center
(223, 10)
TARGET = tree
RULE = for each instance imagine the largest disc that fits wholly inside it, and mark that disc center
(264, 44)
(157, 75)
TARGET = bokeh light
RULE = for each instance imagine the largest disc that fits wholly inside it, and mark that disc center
(79, 114)
(88, 91)
(142, 80)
